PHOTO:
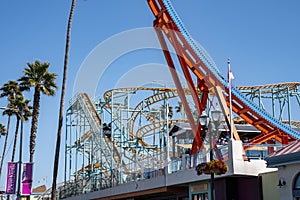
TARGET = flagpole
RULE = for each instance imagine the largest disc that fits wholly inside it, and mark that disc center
(230, 76)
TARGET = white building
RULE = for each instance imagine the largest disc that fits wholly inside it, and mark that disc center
(287, 160)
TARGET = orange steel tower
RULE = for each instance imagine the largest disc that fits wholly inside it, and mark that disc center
(200, 72)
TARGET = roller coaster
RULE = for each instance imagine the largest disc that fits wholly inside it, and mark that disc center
(126, 135)
(193, 59)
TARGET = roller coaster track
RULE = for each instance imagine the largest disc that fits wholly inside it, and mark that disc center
(269, 87)
(108, 94)
(194, 59)
(94, 120)
(144, 130)
(165, 94)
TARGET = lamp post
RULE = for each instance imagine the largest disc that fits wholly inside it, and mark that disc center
(204, 122)
(20, 159)
(216, 118)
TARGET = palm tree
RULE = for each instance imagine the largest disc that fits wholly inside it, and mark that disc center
(20, 108)
(178, 107)
(62, 99)
(9, 113)
(9, 90)
(38, 77)
(166, 109)
(22, 111)
(170, 111)
(2, 130)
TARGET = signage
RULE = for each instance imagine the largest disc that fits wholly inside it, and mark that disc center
(198, 187)
(11, 177)
(27, 178)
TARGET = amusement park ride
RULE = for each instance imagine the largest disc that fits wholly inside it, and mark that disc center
(118, 137)
(194, 60)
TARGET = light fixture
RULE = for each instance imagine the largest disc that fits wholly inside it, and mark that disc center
(281, 182)
(203, 119)
(216, 115)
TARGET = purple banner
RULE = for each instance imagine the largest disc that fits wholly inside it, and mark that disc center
(11, 177)
(27, 178)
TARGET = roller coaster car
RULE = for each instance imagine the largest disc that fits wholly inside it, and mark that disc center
(107, 130)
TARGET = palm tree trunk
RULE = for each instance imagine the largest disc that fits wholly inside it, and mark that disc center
(62, 99)
(15, 140)
(34, 122)
(5, 144)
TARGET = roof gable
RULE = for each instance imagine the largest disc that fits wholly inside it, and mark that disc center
(289, 154)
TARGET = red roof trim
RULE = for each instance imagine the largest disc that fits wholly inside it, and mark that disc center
(293, 147)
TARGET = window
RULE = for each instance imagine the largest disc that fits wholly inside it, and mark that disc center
(203, 196)
(296, 187)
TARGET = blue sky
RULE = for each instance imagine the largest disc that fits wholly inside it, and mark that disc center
(261, 38)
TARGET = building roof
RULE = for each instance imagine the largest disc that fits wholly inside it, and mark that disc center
(183, 129)
(289, 154)
(39, 189)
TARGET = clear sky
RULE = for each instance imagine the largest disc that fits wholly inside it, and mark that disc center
(261, 38)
